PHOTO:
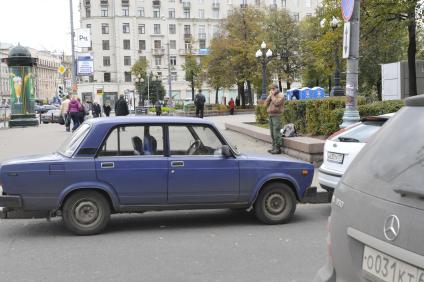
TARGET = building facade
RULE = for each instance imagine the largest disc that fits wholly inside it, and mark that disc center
(122, 31)
(4, 79)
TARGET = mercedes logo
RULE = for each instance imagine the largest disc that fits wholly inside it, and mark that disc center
(391, 227)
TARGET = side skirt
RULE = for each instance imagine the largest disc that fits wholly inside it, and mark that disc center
(143, 208)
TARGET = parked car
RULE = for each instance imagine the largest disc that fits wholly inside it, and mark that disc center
(52, 116)
(377, 218)
(44, 108)
(137, 164)
(341, 148)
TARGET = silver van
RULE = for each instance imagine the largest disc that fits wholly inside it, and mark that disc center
(376, 227)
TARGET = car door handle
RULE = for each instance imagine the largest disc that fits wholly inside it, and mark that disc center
(177, 164)
(107, 165)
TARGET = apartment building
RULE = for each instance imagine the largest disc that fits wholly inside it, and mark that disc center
(122, 31)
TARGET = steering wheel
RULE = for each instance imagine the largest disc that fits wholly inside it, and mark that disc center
(193, 147)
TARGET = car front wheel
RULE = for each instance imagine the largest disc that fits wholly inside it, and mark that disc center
(275, 204)
(86, 213)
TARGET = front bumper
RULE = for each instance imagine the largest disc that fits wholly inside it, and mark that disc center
(9, 201)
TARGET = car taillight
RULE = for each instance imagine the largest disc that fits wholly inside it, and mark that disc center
(342, 130)
(329, 244)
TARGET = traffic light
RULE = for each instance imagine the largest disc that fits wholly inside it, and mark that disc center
(60, 91)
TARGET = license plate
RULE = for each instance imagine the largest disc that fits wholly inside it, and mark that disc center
(390, 269)
(335, 157)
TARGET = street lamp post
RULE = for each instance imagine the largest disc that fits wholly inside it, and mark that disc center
(264, 57)
(140, 80)
(154, 78)
(337, 90)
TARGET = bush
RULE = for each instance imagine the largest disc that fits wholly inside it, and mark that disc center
(164, 110)
(323, 117)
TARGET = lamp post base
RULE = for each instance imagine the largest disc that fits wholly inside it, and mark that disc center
(350, 117)
(337, 91)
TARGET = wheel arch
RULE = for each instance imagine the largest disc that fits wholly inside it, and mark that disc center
(284, 180)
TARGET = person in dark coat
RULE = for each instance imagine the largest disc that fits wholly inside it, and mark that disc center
(107, 109)
(199, 102)
(121, 107)
(82, 111)
(97, 111)
(158, 107)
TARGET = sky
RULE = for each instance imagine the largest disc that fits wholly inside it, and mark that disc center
(40, 24)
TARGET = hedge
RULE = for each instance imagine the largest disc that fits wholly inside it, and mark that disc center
(323, 117)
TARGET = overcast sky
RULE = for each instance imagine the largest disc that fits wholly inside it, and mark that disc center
(40, 24)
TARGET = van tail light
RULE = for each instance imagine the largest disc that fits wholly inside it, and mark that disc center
(342, 130)
(329, 243)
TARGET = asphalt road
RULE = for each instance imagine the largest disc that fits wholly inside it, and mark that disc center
(207, 245)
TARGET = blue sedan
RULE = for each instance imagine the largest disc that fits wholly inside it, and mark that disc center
(138, 164)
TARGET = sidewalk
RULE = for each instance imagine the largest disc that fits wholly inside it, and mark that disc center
(226, 123)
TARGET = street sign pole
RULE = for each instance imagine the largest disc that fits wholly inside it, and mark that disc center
(351, 14)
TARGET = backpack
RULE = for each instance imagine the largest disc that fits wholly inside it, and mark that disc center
(289, 130)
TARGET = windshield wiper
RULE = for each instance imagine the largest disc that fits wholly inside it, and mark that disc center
(348, 139)
(410, 192)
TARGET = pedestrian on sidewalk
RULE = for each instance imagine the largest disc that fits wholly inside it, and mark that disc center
(64, 107)
(158, 108)
(199, 102)
(97, 111)
(275, 107)
(82, 111)
(107, 109)
(121, 107)
(232, 105)
(74, 112)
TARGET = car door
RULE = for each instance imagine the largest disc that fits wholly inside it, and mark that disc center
(198, 173)
(137, 173)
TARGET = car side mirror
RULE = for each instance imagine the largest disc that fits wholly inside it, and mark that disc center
(226, 151)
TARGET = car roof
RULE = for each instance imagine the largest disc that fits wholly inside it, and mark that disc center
(147, 119)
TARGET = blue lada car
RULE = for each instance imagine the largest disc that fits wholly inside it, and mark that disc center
(138, 164)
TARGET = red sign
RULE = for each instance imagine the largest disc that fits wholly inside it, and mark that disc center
(347, 9)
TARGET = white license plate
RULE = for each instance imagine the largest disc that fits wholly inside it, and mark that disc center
(390, 269)
(335, 157)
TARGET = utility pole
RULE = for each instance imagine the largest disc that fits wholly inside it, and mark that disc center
(74, 69)
(351, 51)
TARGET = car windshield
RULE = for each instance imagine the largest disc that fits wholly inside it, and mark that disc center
(72, 143)
(359, 133)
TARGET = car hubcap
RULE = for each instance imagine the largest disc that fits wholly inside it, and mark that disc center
(86, 212)
(275, 203)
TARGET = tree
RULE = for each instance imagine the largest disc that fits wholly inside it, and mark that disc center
(218, 73)
(193, 70)
(282, 34)
(154, 88)
(140, 67)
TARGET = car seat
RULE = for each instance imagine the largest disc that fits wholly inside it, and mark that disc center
(150, 145)
(137, 145)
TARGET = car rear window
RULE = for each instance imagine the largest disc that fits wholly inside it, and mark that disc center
(359, 133)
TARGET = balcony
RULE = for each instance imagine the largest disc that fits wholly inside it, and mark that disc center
(197, 52)
(87, 3)
(125, 3)
(187, 35)
(243, 6)
(156, 4)
(158, 51)
(215, 6)
(186, 5)
(104, 2)
(202, 35)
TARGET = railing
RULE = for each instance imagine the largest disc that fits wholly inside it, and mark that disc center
(104, 2)
(158, 51)
(156, 3)
(215, 6)
(187, 35)
(125, 3)
(186, 5)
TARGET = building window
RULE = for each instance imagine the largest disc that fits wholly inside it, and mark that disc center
(173, 44)
(187, 30)
(141, 29)
(87, 12)
(106, 61)
(201, 14)
(172, 29)
(126, 28)
(105, 45)
(125, 12)
(104, 12)
(296, 17)
(157, 44)
(215, 14)
(171, 13)
(88, 26)
(173, 60)
(308, 3)
(156, 29)
(156, 13)
(174, 76)
(105, 28)
(284, 3)
(202, 44)
(186, 14)
(127, 44)
(127, 75)
(141, 45)
(106, 77)
(158, 61)
(127, 60)
(140, 12)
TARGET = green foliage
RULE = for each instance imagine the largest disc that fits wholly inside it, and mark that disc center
(153, 88)
(164, 109)
(140, 67)
(323, 117)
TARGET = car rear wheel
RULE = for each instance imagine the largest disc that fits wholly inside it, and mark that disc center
(275, 204)
(86, 213)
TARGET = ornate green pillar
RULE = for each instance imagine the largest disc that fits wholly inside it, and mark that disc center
(22, 88)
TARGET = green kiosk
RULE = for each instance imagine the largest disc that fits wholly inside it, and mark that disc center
(22, 90)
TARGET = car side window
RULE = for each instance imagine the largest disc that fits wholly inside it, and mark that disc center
(193, 140)
(138, 140)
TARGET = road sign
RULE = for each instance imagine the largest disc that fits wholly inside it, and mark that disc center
(61, 69)
(347, 9)
(346, 40)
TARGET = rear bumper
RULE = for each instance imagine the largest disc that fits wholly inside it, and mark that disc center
(328, 179)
